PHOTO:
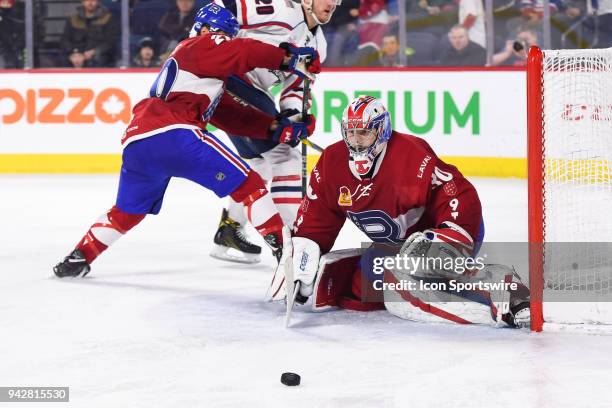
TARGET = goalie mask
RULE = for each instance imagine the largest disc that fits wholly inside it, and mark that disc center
(366, 129)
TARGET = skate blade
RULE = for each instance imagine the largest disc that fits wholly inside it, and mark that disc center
(233, 255)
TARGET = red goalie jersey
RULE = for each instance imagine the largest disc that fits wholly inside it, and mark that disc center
(410, 190)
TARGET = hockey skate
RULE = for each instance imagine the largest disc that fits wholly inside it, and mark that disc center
(73, 265)
(275, 246)
(519, 315)
(230, 243)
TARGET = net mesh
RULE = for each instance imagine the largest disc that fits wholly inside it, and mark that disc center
(577, 144)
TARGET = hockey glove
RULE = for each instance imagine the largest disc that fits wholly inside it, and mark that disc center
(292, 133)
(304, 61)
(447, 244)
(306, 255)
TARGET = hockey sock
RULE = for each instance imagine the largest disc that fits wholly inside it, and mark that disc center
(105, 231)
(287, 195)
(261, 211)
(236, 212)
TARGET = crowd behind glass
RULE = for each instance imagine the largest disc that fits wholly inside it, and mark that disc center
(141, 33)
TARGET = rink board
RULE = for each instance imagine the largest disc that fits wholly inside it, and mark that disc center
(66, 121)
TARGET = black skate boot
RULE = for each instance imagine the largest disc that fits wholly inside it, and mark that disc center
(277, 248)
(232, 245)
(73, 265)
(520, 312)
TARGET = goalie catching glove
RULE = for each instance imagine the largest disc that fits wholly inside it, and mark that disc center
(449, 241)
(292, 132)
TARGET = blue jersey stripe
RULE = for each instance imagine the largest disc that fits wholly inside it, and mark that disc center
(276, 189)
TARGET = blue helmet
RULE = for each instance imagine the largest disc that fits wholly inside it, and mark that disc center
(216, 18)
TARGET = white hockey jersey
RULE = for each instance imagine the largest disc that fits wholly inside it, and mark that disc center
(274, 22)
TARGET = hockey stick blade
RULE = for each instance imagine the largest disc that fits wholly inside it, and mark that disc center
(304, 152)
(312, 145)
(291, 287)
(291, 302)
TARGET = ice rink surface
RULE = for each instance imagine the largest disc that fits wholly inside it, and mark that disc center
(158, 323)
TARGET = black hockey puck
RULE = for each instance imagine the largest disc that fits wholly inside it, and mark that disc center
(290, 379)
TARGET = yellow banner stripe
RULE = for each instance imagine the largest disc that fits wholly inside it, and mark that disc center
(60, 163)
(111, 163)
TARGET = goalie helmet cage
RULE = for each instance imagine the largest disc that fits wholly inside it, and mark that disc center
(569, 115)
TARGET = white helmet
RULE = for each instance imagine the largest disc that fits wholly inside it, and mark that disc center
(365, 113)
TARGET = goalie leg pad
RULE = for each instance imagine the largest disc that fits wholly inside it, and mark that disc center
(430, 305)
(336, 270)
(467, 306)
(363, 297)
(339, 282)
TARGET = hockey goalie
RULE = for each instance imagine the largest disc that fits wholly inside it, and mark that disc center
(411, 204)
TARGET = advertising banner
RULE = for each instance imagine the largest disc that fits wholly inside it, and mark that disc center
(478, 118)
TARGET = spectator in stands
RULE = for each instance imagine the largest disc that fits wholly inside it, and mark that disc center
(600, 26)
(90, 36)
(531, 14)
(566, 31)
(390, 51)
(533, 10)
(146, 58)
(471, 16)
(175, 24)
(341, 33)
(433, 16)
(373, 26)
(463, 51)
(394, 19)
(12, 34)
(515, 52)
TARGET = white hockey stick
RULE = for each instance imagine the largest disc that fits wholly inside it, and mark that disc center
(291, 289)
(291, 301)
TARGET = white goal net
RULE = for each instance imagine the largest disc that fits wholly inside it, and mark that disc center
(577, 185)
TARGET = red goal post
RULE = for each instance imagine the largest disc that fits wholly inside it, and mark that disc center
(535, 186)
(569, 149)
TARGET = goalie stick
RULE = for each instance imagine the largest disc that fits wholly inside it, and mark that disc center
(292, 288)
(312, 145)
(305, 97)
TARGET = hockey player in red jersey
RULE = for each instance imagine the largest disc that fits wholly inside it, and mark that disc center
(394, 188)
(167, 138)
